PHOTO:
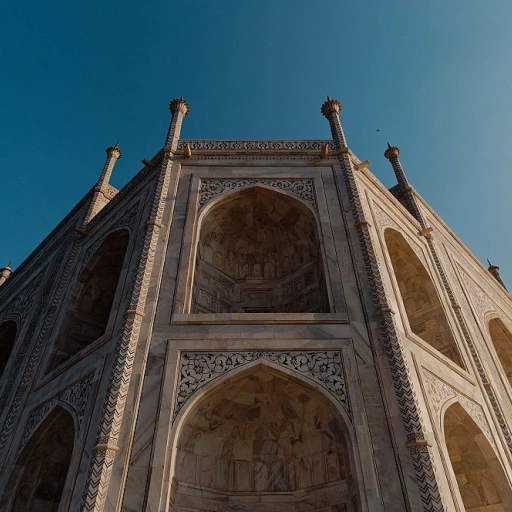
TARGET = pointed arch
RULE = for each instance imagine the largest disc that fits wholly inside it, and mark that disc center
(263, 431)
(38, 477)
(427, 318)
(480, 478)
(502, 340)
(258, 251)
(8, 332)
(88, 309)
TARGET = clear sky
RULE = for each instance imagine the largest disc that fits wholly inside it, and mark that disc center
(435, 77)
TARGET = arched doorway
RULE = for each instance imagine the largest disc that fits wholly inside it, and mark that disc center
(259, 252)
(263, 442)
(425, 312)
(502, 341)
(481, 480)
(38, 478)
(7, 338)
(88, 309)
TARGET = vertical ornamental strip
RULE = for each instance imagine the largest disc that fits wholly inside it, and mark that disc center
(106, 444)
(392, 154)
(420, 448)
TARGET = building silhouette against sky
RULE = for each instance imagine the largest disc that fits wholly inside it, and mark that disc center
(254, 326)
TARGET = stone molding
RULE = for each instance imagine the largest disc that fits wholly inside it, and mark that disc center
(302, 188)
(440, 392)
(324, 367)
(77, 396)
(255, 145)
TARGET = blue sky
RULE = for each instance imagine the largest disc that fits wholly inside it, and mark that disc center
(435, 77)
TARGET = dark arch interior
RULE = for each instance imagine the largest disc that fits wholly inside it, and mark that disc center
(38, 478)
(259, 253)
(266, 435)
(88, 309)
(502, 341)
(482, 483)
(7, 337)
(425, 312)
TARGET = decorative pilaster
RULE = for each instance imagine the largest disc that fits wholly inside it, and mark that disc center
(103, 192)
(493, 269)
(420, 450)
(5, 273)
(104, 451)
(392, 153)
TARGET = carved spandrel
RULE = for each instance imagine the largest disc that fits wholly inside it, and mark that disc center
(196, 369)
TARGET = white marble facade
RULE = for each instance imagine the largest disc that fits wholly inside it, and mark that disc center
(254, 326)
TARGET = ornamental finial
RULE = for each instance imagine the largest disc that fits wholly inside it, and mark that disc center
(330, 107)
(179, 105)
(114, 151)
(392, 152)
(5, 272)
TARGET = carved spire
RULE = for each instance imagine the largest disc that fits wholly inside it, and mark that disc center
(102, 191)
(392, 153)
(5, 272)
(331, 111)
(113, 154)
(179, 109)
(495, 272)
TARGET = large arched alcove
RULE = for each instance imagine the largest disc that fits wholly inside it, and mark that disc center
(259, 252)
(37, 480)
(8, 332)
(263, 441)
(502, 341)
(481, 480)
(425, 312)
(88, 309)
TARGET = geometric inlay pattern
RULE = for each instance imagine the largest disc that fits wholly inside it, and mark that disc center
(324, 367)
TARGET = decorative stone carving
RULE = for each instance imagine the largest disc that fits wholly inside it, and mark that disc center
(323, 367)
(255, 145)
(77, 396)
(302, 188)
(480, 299)
(23, 301)
(440, 392)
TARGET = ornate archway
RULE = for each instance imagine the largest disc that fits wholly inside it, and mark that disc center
(262, 440)
(37, 481)
(88, 310)
(480, 478)
(258, 252)
(427, 318)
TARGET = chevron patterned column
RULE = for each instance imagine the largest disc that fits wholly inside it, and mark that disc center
(420, 449)
(106, 445)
